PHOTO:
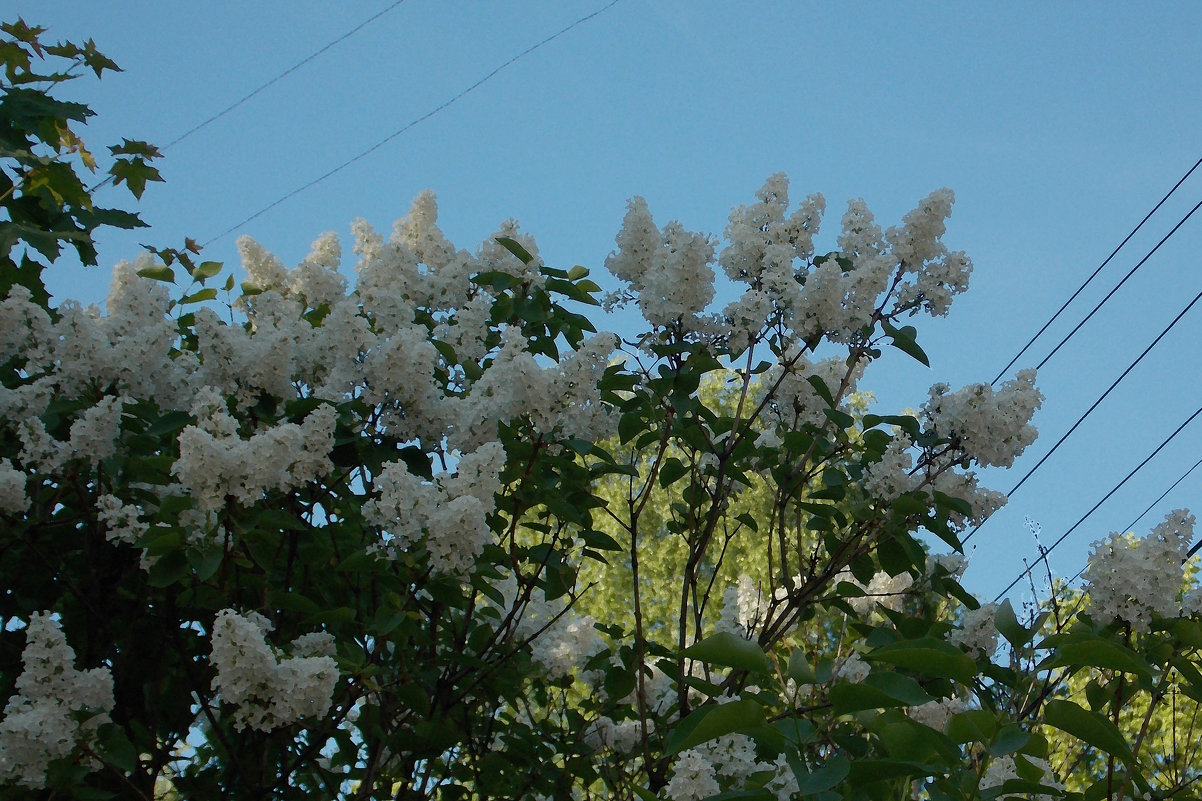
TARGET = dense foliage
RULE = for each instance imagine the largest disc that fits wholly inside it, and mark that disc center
(300, 539)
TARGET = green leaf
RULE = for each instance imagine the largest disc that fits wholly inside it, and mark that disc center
(629, 425)
(159, 273)
(117, 750)
(1009, 739)
(206, 269)
(904, 340)
(516, 248)
(135, 173)
(832, 773)
(671, 470)
(799, 668)
(1098, 652)
(903, 688)
(1008, 625)
(930, 657)
(972, 726)
(715, 720)
(822, 389)
(1089, 727)
(728, 650)
(200, 295)
(847, 698)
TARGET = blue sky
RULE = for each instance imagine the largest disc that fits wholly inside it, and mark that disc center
(1058, 125)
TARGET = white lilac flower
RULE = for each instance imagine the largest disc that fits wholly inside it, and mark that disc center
(1135, 580)
(121, 520)
(12, 489)
(992, 427)
(448, 516)
(94, 433)
(743, 608)
(55, 708)
(978, 632)
(692, 778)
(890, 477)
(668, 269)
(266, 688)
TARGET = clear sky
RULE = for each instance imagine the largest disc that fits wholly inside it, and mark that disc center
(1059, 125)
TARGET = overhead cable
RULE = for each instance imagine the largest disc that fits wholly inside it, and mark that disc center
(269, 83)
(1101, 398)
(410, 124)
(1094, 274)
(1094, 508)
(1131, 526)
(1116, 287)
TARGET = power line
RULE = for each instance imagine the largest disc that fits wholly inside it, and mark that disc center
(1131, 526)
(1101, 398)
(1094, 508)
(1094, 274)
(1116, 287)
(269, 83)
(411, 124)
(283, 74)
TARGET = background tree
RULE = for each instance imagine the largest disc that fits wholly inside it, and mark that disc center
(340, 542)
(45, 199)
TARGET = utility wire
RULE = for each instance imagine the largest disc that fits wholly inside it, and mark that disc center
(1101, 398)
(283, 74)
(1094, 274)
(1131, 526)
(269, 83)
(410, 124)
(1116, 287)
(1094, 508)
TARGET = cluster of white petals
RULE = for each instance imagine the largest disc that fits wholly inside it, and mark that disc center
(693, 777)
(794, 402)
(937, 274)
(937, 713)
(743, 609)
(892, 475)
(668, 269)
(215, 462)
(852, 669)
(1002, 769)
(732, 759)
(122, 521)
(992, 427)
(623, 736)
(266, 688)
(978, 632)
(1136, 580)
(562, 398)
(561, 641)
(55, 708)
(888, 591)
(447, 515)
(12, 488)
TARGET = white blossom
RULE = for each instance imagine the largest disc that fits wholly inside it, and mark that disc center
(692, 777)
(266, 688)
(121, 520)
(94, 433)
(890, 476)
(978, 632)
(669, 269)
(42, 720)
(448, 516)
(743, 608)
(12, 488)
(992, 427)
(1137, 580)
